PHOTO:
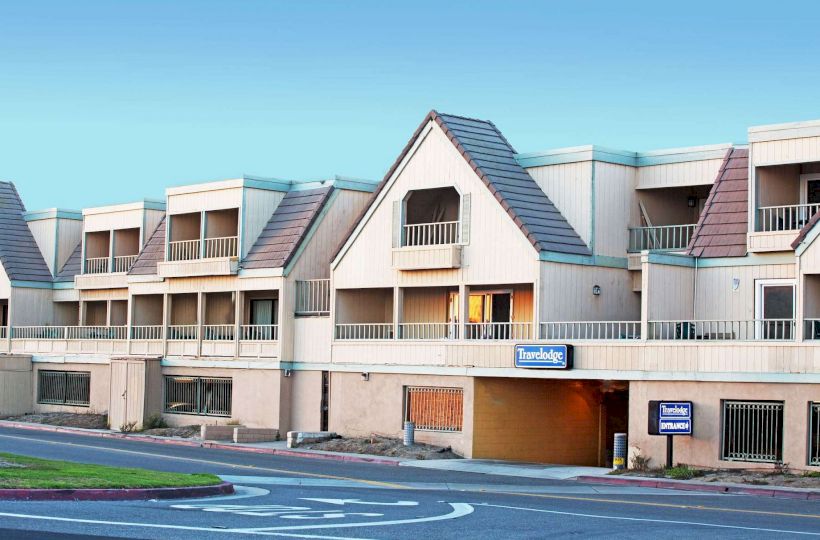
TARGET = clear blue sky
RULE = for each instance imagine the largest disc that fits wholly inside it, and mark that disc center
(105, 102)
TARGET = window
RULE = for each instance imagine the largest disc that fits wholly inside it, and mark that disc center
(814, 434)
(774, 308)
(64, 387)
(752, 431)
(206, 396)
(434, 408)
(264, 312)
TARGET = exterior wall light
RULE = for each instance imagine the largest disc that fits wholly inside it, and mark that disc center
(596, 290)
(691, 201)
(365, 376)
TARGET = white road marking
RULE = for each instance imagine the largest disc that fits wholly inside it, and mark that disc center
(649, 520)
(241, 492)
(459, 510)
(174, 527)
(359, 501)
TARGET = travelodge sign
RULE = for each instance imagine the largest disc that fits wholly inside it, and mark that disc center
(543, 356)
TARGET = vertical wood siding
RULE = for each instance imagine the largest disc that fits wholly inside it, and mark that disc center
(688, 173)
(569, 187)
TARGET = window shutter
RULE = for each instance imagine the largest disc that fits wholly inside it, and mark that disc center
(465, 218)
(396, 224)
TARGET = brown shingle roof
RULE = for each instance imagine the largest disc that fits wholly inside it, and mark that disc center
(19, 254)
(492, 158)
(805, 230)
(72, 265)
(286, 229)
(723, 224)
(153, 252)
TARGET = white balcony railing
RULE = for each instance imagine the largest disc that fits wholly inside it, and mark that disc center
(428, 330)
(581, 330)
(220, 247)
(499, 330)
(663, 238)
(259, 332)
(812, 329)
(184, 250)
(182, 332)
(4, 332)
(745, 330)
(69, 332)
(123, 263)
(431, 234)
(147, 332)
(218, 332)
(364, 331)
(96, 265)
(785, 218)
(313, 297)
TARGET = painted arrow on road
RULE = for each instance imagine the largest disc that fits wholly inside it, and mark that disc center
(342, 502)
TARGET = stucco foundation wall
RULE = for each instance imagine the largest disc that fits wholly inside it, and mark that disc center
(361, 408)
(537, 420)
(703, 447)
(306, 401)
(257, 394)
(16, 395)
(100, 387)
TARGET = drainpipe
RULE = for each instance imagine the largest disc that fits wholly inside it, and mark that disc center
(695, 292)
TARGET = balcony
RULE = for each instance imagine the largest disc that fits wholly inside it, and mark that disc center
(431, 234)
(209, 248)
(791, 217)
(661, 238)
(313, 298)
(724, 330)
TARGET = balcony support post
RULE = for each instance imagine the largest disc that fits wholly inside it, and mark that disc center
(111, 251)
(398, 310)
(200, 316)
(536, 309)
(166, 316)
(645, 299)
(238, 304)
(463, 310)
(202, 231)
(128, 322)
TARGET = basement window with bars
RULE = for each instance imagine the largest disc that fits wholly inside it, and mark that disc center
(64, 388)
(814, 434)
(206, 396)
(433, 408)
(752, 431)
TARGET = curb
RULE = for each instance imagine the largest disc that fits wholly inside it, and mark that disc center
(352, 458)
(682, 485)
(133, 494)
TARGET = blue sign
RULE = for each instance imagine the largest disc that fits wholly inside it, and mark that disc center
(675, 418)
(543, 356)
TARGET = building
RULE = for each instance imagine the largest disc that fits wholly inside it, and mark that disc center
(681, 275)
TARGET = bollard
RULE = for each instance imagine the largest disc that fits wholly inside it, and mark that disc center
(619, 453)
(409, 433)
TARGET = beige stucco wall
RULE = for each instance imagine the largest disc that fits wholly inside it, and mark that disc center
(361, 408)
(15, 385)
(306, 400)
(703, 447)
(100, 387)
(257, 394)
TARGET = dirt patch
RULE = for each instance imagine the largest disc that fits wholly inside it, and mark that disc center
(89, 421)
(735, 476)
(185, 432)
(383, 446)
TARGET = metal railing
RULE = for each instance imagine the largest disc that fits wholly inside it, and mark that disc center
(69, 332)
(313, 297)
(184, 250)
(661, 238)
(220, 247)
(433, 408)
(207, 396)
(147, 332)
(364, 331)
(431, 234)
(498, 330)
(64, 387)
(580, 330)
(218, 332)
(123, 263)
(182, 332)
(785, 218)
(752, 431)
(96, 265)
(814, 434)
(428, 330)
(747, 330)
(259, 332)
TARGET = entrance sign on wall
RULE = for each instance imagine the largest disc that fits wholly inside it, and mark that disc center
(670, 417)
(543, 356)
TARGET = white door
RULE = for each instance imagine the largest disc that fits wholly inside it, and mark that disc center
(774, 308)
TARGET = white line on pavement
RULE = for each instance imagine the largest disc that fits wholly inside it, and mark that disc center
(241, 492)
(649, 520)
(175, 527)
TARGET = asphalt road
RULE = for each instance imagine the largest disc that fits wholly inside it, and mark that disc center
(312, 498)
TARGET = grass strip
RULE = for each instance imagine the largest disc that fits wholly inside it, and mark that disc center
(22, 472)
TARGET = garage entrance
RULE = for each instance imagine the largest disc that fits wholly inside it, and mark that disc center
(569, 422)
